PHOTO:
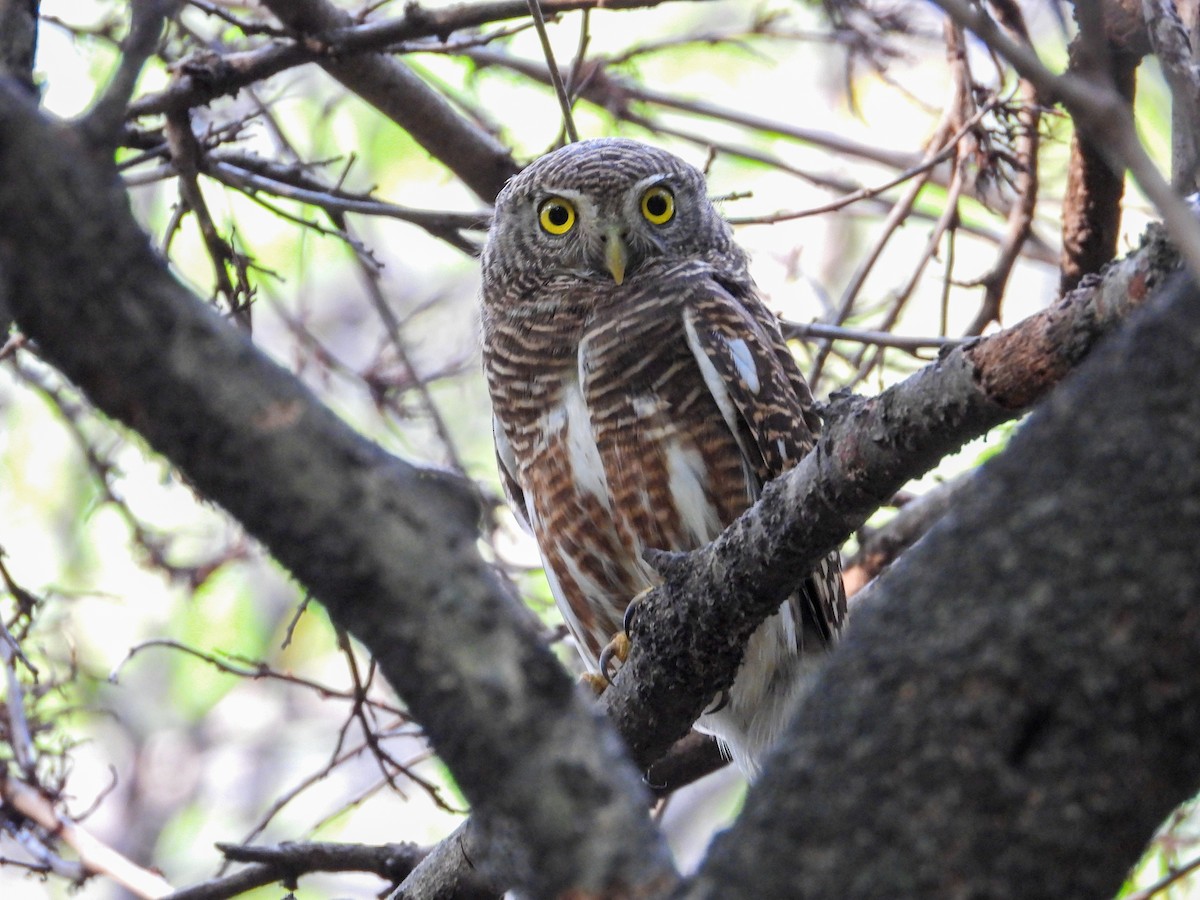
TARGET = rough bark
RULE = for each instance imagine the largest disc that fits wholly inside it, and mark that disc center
(18, 44)
(1016, 705)
(1092, 204)
(18, 41)
(388, 548)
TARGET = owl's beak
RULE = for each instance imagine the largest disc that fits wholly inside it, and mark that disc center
(616, 254)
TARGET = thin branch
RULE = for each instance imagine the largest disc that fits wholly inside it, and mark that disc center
(286, 863)
(879, 547)
(560, 90)
(1035, 249)
(96, 857)
(897, 215)
(102, 123)
(615, 93)
(1020, 215)
(186, 159)
(254, 670)
(17, 732)
(1177, 874)
(863, 336)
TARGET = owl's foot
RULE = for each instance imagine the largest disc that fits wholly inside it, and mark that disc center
(598, 683)
(617, 649)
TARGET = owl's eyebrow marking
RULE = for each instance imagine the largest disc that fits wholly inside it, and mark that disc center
(577, 197)
(651, 180)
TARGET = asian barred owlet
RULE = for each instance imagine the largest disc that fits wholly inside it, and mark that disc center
(643, 394)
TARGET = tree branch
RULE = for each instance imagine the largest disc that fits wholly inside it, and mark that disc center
(95, 857)
(388, 548)
(1169, 37)
(881, 547)
(287, 862)
(482, 162)
(1091, 217)
(18, 41)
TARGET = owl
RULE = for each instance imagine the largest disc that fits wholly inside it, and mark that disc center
(642, 396)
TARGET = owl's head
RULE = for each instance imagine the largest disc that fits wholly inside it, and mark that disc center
(599, 210)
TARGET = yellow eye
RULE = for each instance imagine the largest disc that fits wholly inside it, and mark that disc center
(556, 215)
(658, 205)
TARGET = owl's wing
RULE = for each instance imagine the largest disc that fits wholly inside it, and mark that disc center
(506, 462)
(766, 403)
(750, 373)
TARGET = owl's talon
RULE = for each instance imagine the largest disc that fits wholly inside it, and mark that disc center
(598, 683)
(627, 619)
(722, 702)
(618, 649)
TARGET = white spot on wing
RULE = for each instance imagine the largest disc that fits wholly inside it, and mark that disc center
(586, 467)
(572, 620)
(646, 406)
(508, 460)
(504, 450)
(712, 378)
(743, 359)
(720, 393)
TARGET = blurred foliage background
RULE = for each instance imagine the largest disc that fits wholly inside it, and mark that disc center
(179, 690)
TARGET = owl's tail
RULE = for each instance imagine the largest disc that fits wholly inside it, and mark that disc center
(765, 692)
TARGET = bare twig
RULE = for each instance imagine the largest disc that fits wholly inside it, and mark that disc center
(1174, 876)
(286, 863)
(96, 857)
(560, 90)
(938, 142)
(20, 739)
(242, 667)
(1020, 215)
(102, 124)
(186, 158)
(881, 546)
(863, 336)
(395, 90)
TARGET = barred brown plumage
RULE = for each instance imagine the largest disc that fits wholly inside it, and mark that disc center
(643, 394)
